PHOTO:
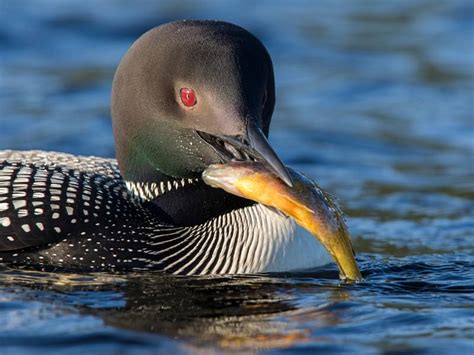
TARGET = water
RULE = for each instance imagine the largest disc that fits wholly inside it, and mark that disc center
(375, 101)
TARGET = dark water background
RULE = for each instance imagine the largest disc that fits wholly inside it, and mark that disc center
(375, 101)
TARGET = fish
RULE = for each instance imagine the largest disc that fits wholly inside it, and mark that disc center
(309, 205)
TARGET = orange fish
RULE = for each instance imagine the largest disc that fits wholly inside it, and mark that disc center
(306, 202)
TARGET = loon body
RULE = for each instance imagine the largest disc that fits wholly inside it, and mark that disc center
(63, 211)
(186, 95)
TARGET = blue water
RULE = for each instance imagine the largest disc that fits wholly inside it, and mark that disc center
(375, 100)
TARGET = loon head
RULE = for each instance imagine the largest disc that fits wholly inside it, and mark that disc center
(189, 94)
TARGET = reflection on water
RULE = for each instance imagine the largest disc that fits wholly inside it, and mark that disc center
(400, 298)
(374, 100)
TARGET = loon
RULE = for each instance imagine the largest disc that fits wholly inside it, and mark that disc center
(186, 95)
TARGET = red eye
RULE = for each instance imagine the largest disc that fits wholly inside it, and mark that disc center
(188, 97)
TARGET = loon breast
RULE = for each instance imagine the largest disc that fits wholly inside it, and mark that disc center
(269, 241)
(59, 210)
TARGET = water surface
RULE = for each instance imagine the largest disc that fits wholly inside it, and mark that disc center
(374, 100)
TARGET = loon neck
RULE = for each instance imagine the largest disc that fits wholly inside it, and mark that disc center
(185, 202)
(149, 191)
